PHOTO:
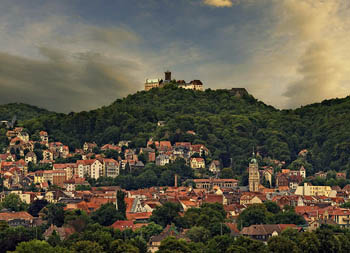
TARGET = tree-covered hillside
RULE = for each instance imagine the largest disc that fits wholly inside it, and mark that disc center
(21, 111)
(228, 125)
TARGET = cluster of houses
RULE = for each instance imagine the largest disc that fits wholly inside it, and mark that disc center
(316, 209)
(317, 204)
(21, 154)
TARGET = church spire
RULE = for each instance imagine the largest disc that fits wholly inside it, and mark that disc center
(253, 160)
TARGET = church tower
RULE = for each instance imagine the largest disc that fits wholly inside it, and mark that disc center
(254, 177)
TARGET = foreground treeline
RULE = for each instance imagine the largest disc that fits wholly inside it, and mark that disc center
(96, 238)
(201, 229)
(229, 126)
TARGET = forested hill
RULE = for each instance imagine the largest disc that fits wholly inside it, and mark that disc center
(228, 125)
(21, 111)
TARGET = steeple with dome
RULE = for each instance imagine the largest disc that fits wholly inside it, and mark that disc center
(254, 176)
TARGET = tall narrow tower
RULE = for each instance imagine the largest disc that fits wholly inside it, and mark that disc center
(254, 177)
(167, 76)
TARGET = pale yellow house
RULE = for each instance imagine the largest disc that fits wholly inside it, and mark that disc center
(249, 200)
(197, 163)
(310, 190)
(38, 177)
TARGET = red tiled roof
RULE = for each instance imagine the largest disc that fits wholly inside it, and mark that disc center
(110, 160)
(129, 202)
(138, 216)
(16, 215)
(198, 159)
(165, 144)
(86, 162)
(123, 224)
(306, 209)
(213, 198)
(64, 165)
(265, 229)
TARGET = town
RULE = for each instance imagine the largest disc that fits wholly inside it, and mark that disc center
(35, 170)
(174, 126)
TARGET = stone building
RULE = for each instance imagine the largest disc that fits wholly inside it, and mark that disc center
(254, 176)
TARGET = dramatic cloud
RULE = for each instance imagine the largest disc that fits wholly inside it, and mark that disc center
(65, 66)
(321, 74)
(318, 29)
(297, 53)
(61, 83)
(67, 57)
(219, 3)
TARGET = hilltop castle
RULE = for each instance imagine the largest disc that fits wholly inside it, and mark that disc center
(159, 83)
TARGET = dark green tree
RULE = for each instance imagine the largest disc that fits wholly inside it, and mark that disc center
(107, 214)
(328, 241)
(226, 173)
(54, 214)
(253, 214)
(171, 244)
(280, 244)
(121, 203)
(250, 245)
(198, 234)
(272, 207)
(309, 243)
(36, 206)
(54, 239)
(86, 247)
(13, 203)
(166, 214)
(34, 246)
(120, 246)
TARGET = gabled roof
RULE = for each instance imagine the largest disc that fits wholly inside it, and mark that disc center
(57, 166)
(266, 229)
(138, 216)
(165, 144)
(197, 159)
(30, 154)
(213, 198)
(123, 224)
(196, 82)
(129, 203)
(15, 215)
(109, 160)
(168, 231)
(86, 162)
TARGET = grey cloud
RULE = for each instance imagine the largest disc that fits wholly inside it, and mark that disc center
(320, 76)
(52, 54)
(64, 84)
(112, 36)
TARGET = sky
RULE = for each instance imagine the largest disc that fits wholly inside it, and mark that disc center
(74, 55)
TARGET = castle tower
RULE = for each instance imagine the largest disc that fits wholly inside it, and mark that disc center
(254, 177)
(167, 76)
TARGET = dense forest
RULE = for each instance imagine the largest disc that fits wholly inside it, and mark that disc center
(229, 125)
(21, 111)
